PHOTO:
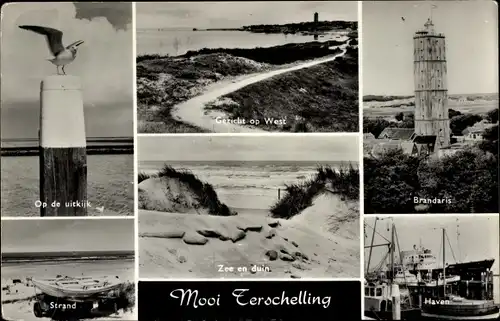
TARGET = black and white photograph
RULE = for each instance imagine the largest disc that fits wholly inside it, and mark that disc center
(248, 207)
(430, 107)
(67, 109)
(436, 267)
(232, 67)
(70, 269)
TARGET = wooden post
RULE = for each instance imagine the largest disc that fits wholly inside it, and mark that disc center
(396, 302)
(279, 196)
(63, 151)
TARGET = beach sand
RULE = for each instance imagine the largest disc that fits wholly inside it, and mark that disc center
(18, 299)
(322, 241)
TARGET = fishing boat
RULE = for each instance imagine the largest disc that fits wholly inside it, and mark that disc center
(76, 287)
(386, 295)
(453, 307)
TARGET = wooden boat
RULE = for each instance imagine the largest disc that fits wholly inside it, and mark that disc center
(456, 308)
(76, 287)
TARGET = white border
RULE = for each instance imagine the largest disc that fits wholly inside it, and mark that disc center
(55, 218)
(267, 134)
(136, 219)
(360, 162)
(246, 279)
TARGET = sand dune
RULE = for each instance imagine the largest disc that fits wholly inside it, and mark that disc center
(323, 241)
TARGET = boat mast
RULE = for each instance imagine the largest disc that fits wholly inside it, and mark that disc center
(444, 262)
(392, 253)
(371, 245)
(458, 243)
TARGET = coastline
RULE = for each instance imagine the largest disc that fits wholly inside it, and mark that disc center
(95, 146)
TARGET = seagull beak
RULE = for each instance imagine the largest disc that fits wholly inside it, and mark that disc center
(76, 44)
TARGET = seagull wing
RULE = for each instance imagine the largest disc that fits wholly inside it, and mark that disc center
(53, 36)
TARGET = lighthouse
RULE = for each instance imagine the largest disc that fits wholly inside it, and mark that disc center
(432, 124)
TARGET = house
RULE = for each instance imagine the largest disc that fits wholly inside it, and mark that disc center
(476, 132)
(473, 134)
(368, 136)
(397, 133)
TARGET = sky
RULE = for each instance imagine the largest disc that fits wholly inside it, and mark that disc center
(248, 148)
(238, 14)
(67, 235)
(478, 236)
(104, 61)
(471, 30)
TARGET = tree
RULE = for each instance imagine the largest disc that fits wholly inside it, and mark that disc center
(399, 116)
(452, 113)
(375, 126)
(490, 142)
(468, 179)
(390, 182)
(461, 122)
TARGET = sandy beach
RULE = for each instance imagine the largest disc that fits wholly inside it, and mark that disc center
(323, 241)
(18, 297)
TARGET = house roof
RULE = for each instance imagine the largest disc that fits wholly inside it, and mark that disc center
(397, 133)
(384, 145)
(427, 139)
(478, 127)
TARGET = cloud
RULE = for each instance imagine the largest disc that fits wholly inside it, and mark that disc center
(119, 14)
(104, 61)
(237, 14)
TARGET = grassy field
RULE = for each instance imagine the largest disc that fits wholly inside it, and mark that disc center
(163, 82)
(389, 112)
(322, 98)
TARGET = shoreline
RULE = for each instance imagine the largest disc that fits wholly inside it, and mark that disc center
(91, 150)
(95, 146)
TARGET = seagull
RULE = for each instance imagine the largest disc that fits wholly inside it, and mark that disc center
(62, 55)
(403, 18)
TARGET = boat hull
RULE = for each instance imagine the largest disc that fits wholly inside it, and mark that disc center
(466, 270)
(461, 312)
(430, 316)
(75, 288)
(406, 314)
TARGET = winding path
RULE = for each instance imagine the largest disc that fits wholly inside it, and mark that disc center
(193, 112)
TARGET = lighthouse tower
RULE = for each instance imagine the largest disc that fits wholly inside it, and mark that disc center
(432, 125)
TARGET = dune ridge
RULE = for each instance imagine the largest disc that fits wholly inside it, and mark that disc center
(320, 239)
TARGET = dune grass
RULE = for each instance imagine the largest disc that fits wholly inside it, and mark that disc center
(126, 296)
(344, 181)
(205, 193)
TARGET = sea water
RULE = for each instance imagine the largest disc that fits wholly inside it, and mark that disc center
(110, 185)
(175, 42)
(246, 186)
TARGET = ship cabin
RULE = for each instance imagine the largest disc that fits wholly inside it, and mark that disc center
(378, 297)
